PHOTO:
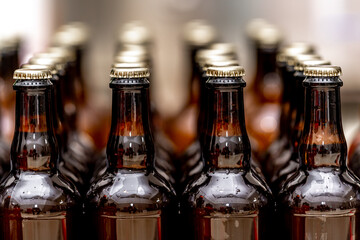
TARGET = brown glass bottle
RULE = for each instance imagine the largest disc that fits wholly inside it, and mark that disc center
(262, 102)
(279, 148)
(321, 200)
(37, 202)
(131, 200)
(289, 161)
(190, 163)
(74, 157)
(228, 200)
(8, 64)
(181, 128)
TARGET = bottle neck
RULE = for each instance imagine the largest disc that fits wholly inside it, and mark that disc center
(297, 112)
(227, 145)
(323, 142)
(267, 80)
(60, 125)
(34, 146)
(130, 142)
(288, 88)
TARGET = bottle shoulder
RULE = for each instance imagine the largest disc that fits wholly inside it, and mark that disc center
(124, 187)
(321, 188)
(41, 190)
(240, 189)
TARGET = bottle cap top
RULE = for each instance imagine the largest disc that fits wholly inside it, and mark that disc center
(49, 67)
(322, 71)
(129, 73)
(225, 47)
(254, 25)
(134, 33)
(226, 71)
(268, 35)
(293, 49)
(130, 59)
(300, 65)
(226, 63)
(199, 33)
(32, 74)
(74, 34)
(130, 65)
(67, 53)
(48, 59)
(204, 55)
(294, 59)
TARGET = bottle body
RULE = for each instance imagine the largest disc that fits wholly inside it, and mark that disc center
(228, 200)
(131, 195)
(36, 201)
(321, 200)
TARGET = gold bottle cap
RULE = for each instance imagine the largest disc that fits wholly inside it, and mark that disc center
(228, 71)
(48, 59)
(268, 35)
(130, 59)
(300, 65)
(32, 74)
(67, 53)
(130, 65)
(227, 63)
(135, 48)
(199, 33)
(292, 60)
(71, 35)
(204, 54)
(49, 67)
(322, 71)
(129, 73)
(225, 47)
(293, 49)
(134, 32)
(254, 26)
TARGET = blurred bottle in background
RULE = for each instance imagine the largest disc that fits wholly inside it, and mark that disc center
(262, 101)
(279, 150)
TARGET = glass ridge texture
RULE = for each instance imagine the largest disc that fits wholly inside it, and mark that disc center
(130, 200)
(321, 199)
(36, 201)
(228, 200)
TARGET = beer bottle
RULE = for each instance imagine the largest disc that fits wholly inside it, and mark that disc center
(288, 163)
(228, 200)
(74, 160)
(181, 128)
(131, 200)
(36, 201)
(281, 143)
(190, 163)
(262, 103)
(321, 200)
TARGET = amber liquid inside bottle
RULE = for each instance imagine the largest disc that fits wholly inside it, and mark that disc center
(36, 201)
(321, 200)
(228, 200)
(130, 201)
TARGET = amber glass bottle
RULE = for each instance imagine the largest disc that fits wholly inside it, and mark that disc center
(37, 202)
(190, 163)
(131, 200)
(321, 200)
(74, 156)
(280, 146)
(289, 162)
(228, 200)
(262, 103)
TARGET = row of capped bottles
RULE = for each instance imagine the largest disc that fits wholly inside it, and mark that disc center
(137, 190)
